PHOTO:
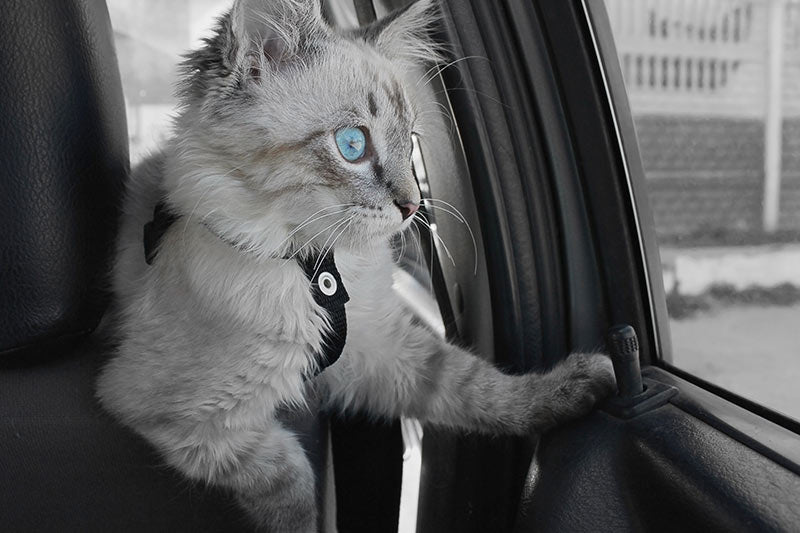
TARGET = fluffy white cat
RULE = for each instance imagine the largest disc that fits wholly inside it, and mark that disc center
(292, 136)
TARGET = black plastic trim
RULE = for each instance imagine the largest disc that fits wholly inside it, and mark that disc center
(653, 396)
(491, 97)
(755, 408)
(766, 437)
(365, 11)
(491, 108)
(580, 322)
(590, 120)
(604, 47)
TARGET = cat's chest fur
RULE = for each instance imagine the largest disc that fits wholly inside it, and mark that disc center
(216, 332)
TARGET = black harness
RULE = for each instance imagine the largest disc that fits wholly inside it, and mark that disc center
(325, 282)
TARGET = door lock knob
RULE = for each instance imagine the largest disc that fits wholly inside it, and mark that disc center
(624, 347)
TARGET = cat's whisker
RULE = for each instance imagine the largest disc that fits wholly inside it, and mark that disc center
(324, 253)
(323, 250)
(448, 204)
(309, 241)
(439, 112)
(458, 215)
(311, 220)
(436, 236)
(426, 74)
(326, 208)
(444, 108)
(437, 107)
(441, 68)
(402, 247)
(418, 244)
(480, 93)
(430, 263)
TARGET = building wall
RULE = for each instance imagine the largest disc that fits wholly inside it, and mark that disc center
(703, 57)
(706, 175)
(697, 73)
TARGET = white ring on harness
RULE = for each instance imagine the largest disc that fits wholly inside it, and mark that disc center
(327, 283)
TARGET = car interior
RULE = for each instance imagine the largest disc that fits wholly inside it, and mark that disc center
(548, 245)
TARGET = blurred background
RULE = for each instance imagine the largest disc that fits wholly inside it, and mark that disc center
(150, 36)
(714, 87)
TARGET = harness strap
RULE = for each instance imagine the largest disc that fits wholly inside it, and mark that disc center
(325, 281)
(330, 294)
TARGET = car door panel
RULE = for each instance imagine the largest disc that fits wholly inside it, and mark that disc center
(704, 460)
(666, 469)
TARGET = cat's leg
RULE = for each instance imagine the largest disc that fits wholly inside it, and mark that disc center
(267, 470)
(430, 379)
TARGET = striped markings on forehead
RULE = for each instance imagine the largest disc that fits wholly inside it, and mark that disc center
(394, 95)
(397, 98)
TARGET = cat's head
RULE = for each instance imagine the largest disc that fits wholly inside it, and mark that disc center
(287, 123)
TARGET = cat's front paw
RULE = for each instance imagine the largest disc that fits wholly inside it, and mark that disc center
(578, 384)
(593, 371)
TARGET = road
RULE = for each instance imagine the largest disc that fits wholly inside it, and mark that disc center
(752, 351)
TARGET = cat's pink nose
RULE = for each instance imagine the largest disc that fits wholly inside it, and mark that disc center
(407, 208)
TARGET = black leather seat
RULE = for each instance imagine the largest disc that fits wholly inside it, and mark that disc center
(65, 465)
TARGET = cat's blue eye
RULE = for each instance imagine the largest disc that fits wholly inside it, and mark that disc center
(352, 143)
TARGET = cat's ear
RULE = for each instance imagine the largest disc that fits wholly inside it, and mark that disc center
(274, 32)
(405, 35)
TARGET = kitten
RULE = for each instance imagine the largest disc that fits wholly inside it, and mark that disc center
(292, 137)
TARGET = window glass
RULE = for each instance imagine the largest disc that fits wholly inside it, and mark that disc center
(714, 87)
(150, 36)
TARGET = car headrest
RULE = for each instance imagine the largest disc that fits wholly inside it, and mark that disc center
(63, 162)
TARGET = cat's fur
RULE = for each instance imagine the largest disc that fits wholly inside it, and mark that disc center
(213, 337)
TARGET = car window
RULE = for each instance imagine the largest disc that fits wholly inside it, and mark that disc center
(150, 37)
(714, 89)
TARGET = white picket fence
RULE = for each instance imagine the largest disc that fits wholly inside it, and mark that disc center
(704, 57)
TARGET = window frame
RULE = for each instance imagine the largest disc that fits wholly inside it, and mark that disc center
(719, 407)
(632, 168)
(602, 171)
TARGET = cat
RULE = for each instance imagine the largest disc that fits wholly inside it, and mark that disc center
(293, 136)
